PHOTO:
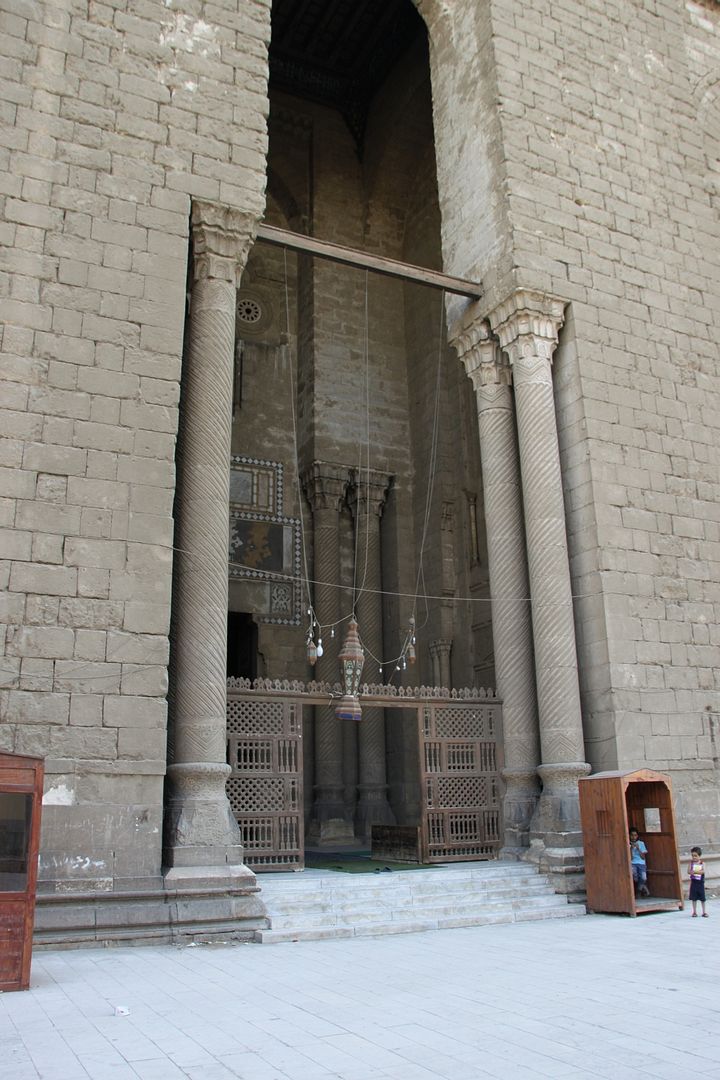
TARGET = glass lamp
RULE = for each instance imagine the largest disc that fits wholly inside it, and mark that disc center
(351, 659)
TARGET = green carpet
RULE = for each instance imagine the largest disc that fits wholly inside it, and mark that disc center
(355, 864)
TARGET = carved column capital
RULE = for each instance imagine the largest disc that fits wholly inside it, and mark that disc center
(479, 352)
(326, 485)
(440, 650)
(370, 490)
(222, 238)
(527, 325)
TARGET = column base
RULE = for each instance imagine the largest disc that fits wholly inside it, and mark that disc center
(329, 823)
(230, 877)
(556, 840)
(372, 808)
(200, 830)
(519, 805)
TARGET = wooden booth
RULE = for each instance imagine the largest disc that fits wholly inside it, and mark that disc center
(21, 789)
(612, 803)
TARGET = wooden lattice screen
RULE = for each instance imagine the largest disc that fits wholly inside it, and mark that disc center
(265, 783)
(459, 769)
(459, 736)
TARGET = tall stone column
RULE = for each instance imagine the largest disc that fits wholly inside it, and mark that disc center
(507, 571)
(201, 837)
(527, 325)
(368, 501)
(326, 486)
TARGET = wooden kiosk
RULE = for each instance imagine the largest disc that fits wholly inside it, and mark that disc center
(21, 789)
(612, 803)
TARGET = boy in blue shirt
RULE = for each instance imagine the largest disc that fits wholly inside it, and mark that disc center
(638, 853)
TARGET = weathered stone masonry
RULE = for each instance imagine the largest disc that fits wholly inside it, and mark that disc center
(116, 117)
(577, 153)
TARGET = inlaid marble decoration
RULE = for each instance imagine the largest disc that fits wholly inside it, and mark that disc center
(256, 485)
(264, 558)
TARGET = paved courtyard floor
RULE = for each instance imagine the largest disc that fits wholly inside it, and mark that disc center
(599, 996)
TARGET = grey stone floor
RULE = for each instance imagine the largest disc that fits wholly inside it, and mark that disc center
(601, 996)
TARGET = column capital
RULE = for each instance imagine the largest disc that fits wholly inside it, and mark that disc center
(325, 485)
(479, 353)
(527, 325)
(222, 237)
(370, 488)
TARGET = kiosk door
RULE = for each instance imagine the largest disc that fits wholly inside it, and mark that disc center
(21, 781)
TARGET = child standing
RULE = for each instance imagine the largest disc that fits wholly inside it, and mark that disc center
(638, 863)
(696, 873)
(638, 856)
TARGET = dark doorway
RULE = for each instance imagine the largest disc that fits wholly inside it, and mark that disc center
(242, 641)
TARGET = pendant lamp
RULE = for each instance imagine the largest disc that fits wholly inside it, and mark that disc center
(351, 659)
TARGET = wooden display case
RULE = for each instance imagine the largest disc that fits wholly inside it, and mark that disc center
(612, 803)
(21, 789)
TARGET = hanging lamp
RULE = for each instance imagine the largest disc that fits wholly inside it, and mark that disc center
(352, 659)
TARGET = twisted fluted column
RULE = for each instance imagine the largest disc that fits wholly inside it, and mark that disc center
(507, 571)
(326, 485)
(200, 828)
(367, 501)
(527, 325)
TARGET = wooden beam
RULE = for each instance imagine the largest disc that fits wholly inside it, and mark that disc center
(322, 249)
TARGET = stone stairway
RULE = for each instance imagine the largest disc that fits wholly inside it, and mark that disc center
(313, 904)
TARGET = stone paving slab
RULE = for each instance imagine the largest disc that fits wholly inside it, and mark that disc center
(582, 999)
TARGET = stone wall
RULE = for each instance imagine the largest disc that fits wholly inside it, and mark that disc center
(578, 153)
(116, 116)
(604, 143)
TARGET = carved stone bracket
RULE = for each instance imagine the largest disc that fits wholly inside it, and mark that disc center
(326, 485)
(527, 325)
(222, 238)
(370, 490)
(440, 650)
(479, 352)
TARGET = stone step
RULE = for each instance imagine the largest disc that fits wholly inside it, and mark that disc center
(380, 929)
(429, 880)
(332, 899)
(451, 914)
(314, 905)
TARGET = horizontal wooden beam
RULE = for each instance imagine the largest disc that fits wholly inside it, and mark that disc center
(322, 249)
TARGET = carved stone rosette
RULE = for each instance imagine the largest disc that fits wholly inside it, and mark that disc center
(368, 497)
(326, 485)
(527, 326)
(507, 571)
(200, 829)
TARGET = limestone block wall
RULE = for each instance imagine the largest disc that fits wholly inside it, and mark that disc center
(115, 116)
(627, 196)
(471, 163)
(605, 137)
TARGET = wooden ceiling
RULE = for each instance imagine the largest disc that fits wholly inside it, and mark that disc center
(339, 52)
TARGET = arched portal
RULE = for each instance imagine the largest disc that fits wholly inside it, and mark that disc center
(353, 419)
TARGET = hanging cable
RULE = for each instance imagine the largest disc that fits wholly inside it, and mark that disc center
(363, 474)
(312, 649)
(432, 466)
